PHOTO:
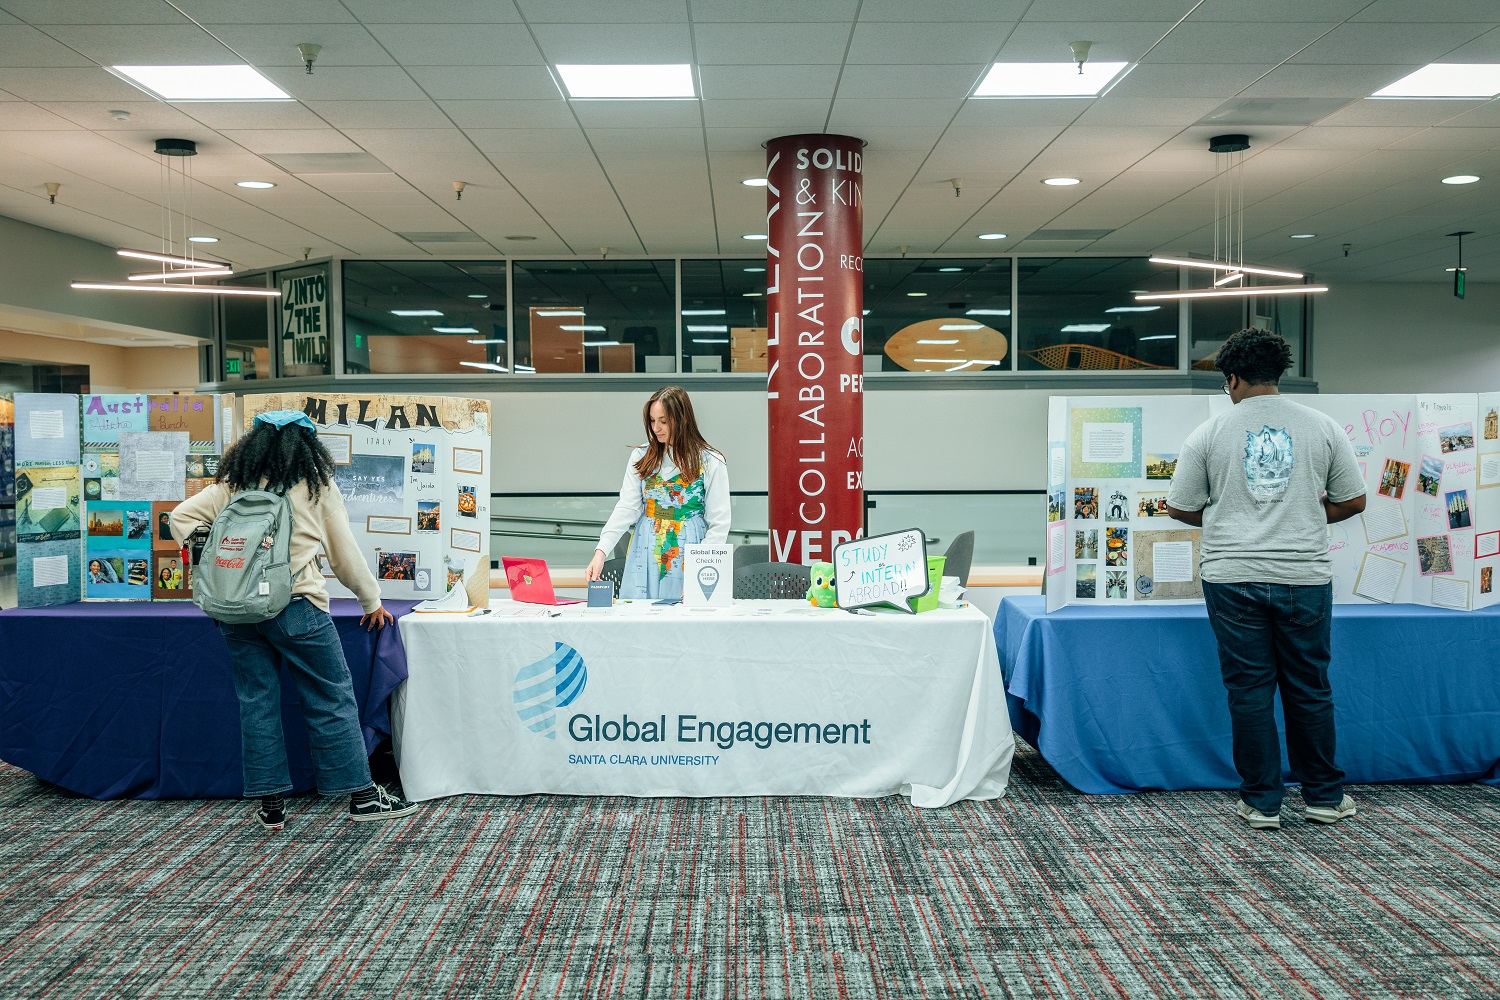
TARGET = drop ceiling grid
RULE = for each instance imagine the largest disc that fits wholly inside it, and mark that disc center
(902, 84)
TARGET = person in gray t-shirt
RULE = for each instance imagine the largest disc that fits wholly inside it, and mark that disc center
(1264, 481)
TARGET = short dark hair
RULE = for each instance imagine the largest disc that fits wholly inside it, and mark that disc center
(1260, 357)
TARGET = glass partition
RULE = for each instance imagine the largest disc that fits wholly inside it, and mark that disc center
(594, 316)
(424, 317)
(245, 322)
(1080, 313)
(937, 315)
(724, 315)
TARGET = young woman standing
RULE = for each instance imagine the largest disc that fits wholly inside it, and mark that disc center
(676, 493)
(282, 454)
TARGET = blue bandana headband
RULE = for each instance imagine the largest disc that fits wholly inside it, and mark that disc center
(282, 418)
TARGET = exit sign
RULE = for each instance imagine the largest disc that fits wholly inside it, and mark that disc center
(1458, 284)
(231, 366)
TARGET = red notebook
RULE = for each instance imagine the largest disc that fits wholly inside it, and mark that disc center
(530, 581)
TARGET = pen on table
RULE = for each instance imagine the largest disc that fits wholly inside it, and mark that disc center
(479, 611)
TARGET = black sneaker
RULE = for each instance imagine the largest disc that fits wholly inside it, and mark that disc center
(272, 819)
(385, 805)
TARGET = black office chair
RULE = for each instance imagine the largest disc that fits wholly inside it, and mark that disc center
(614, 572)
(750, 555)
(772, 581)
(959, 557)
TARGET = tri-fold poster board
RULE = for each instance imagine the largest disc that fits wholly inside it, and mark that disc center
(1430, 533)
(96, 477)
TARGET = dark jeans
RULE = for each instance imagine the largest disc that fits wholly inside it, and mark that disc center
(1274, 635)
(305, 635)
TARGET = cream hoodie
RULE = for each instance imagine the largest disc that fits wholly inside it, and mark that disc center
(322, 525)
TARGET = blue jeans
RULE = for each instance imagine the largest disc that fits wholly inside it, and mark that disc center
(1274, 635)
(305, 635)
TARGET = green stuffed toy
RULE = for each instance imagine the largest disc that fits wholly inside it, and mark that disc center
(821, 592)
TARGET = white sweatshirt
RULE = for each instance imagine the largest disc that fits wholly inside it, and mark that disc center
(631, 504)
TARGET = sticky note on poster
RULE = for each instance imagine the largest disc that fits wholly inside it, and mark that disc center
(883, 570)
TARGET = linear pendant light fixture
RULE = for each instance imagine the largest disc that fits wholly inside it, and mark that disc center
(178, 258)
(1229, 237)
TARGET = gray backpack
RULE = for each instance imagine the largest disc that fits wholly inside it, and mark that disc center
(245, 572)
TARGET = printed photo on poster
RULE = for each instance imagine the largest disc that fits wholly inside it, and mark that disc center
(161, 517)
(1486, 579)
(106, 523)
(1086, 545)
(429, 516)
(1160, 466)
(137, 524)
(1459, 437)
(170, 578)
(118, 575)
(1118, 507)
(1150, 505)
(455, 577)
(1430, 476)
(397, 565)
(1054, 506)
(423, 458)
(1117, 546)
(1086, 582)
(1393, 479)
(468, 504)
(1492, 424)
(372, 484)
(1458, 509)
(1116, 587)
(1434, 555)
(47, 503)
(1085, 503)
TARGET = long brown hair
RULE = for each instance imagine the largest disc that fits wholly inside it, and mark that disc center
(687, 442)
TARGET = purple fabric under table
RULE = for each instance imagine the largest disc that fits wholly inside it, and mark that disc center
(136, 700)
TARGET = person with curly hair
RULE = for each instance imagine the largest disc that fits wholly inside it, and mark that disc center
(1264, 480)
(282, 454)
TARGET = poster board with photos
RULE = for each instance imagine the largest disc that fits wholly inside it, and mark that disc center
(414, 473)
(1430, 533)
(7, 476)
(49, 508)
(1110, 461)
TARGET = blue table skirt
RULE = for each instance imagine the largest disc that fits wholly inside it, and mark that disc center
(1130, 698)
(136, 700)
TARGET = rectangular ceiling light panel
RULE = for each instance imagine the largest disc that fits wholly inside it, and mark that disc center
(1049, 79)
(202, 83)
(628, 82)
(1453, 81)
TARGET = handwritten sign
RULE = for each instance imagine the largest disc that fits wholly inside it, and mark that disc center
(304, 320)
(885, 569)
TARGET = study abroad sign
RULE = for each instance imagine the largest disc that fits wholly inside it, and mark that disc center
(815, 343)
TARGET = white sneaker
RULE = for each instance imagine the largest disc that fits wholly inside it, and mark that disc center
(1257, 819)
(1330, 814)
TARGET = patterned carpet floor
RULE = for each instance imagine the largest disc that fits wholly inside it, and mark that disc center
(1046, 893)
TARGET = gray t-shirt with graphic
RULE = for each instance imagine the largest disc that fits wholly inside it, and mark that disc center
(1259, 473)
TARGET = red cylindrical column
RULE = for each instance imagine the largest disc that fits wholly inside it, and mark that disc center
(815, 312)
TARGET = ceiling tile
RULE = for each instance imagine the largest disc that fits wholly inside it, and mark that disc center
(1047, 41)
(529, 140)
(638, 114)
(768, 44)
(753, 82)
(786, 114)
(738, 140)
(605, 43)
(933, 43)
(409, 140)
(1348, 137)
(112, 12)
(459, 44)
(147, 115)
(1158, 111)
(942, 10)
(1301, 80)
(66, 85)
(253, 114)
(669, 143)
(764, 11)
(1398, 113)
(276, 44)
(24, 116)
(380, 114)
(1237, 42)
(856, 113)
(433, 12)
(266, 11)
(346, 83)
(510, 114)
(1182, 80)
(950, 82)
(1415, 44)
(1427, 12)
(22, 45)
(602, 11)
(144, 45)
(1485, 48)
(487, 83)
(301, 141)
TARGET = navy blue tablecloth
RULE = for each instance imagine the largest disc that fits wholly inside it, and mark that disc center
(1130, 698)
(136, 700)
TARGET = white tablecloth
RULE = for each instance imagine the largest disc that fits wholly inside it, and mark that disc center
(765, 698)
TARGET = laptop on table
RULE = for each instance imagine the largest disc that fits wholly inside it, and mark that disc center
(530, 581)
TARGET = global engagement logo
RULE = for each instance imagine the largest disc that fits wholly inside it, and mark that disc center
(550, 683)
